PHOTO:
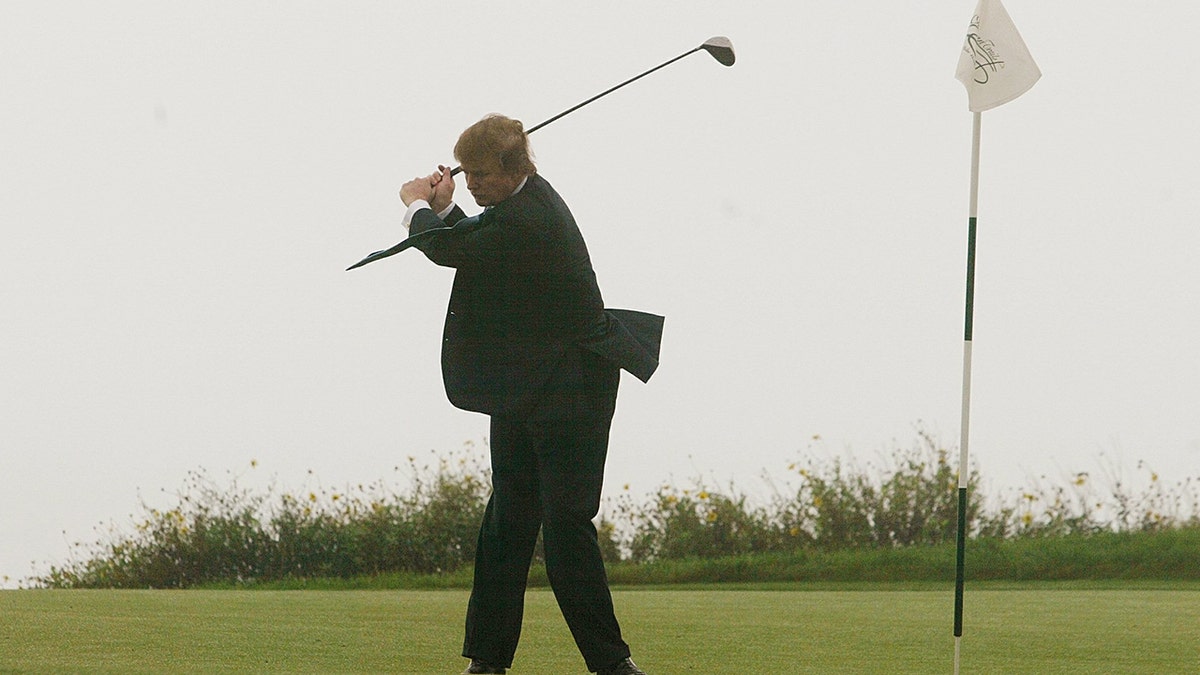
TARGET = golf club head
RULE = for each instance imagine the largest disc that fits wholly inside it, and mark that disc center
(720, 48)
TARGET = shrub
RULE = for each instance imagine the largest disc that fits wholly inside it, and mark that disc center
(701, 523)
(229, 534)
(1082, 503)
(906, 499)
(911, 499)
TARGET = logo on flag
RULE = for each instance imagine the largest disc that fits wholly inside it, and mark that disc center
(995, 65)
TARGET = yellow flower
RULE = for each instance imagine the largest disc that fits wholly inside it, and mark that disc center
(702, 495)
(253, 463)
(795, 532)
(712, 516)
(312, 496)
(1027, 518)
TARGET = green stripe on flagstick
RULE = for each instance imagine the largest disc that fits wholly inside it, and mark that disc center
(960, 562)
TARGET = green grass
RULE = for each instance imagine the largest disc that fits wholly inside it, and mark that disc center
(1169, 555)
(1094, 627)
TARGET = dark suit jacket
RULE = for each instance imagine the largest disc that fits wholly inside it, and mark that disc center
(526, 331)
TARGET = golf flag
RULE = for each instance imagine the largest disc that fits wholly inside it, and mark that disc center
(995, 65)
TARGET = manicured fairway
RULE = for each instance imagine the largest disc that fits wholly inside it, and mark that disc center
(671, 631)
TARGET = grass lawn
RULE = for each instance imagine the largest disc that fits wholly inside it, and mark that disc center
(1025, 629)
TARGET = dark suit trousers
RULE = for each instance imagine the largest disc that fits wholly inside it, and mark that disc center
(545, 474)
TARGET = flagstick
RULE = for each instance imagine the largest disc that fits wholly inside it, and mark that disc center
(960, 556)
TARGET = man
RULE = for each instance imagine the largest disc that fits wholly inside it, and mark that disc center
(527, 341)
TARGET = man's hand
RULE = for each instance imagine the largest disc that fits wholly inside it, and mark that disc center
(418, 188)
(443, 189)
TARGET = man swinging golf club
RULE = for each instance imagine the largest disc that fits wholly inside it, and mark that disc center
(527, 340)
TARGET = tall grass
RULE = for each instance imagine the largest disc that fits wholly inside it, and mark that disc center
(227, 534)
(910, 499)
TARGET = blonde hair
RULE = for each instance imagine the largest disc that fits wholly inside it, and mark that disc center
(498, 139)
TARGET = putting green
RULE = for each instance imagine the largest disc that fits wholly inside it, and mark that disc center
(671, 631)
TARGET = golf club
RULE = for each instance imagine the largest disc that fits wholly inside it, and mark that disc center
(719, 47)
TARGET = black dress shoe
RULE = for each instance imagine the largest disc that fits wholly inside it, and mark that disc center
(623, 667)
(478, 666)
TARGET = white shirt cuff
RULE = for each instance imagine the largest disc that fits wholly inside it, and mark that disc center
(419, 204)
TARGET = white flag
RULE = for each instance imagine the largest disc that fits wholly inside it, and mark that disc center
(995, 65)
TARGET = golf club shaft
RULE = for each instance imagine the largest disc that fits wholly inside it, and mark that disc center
(458, 169)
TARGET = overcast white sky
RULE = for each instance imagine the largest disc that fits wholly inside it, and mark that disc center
(182, 185)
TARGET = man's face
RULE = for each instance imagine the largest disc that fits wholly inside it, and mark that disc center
(490, 185)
